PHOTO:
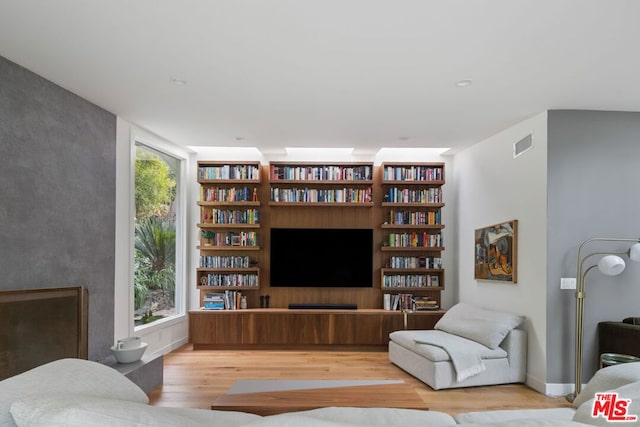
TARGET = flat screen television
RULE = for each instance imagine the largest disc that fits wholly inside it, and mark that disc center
(322, 257)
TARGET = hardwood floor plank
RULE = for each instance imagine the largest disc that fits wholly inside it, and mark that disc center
(196, 378)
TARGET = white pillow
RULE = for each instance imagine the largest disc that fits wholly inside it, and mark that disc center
(487, 327)
(75, 376)
(607, 379)
(75, 411)
(486, 417)
(584, 413)
(396, 417)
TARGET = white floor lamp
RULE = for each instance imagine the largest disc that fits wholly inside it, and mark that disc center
(611, 265)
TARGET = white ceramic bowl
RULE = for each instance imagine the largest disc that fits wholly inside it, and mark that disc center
(129, 355)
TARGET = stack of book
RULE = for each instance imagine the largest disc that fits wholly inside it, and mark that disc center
(227, 300)
(214, 301)
(425, 303)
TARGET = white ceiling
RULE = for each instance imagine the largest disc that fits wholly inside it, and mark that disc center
(329, 73)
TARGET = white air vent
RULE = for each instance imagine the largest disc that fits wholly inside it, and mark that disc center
(522, 146)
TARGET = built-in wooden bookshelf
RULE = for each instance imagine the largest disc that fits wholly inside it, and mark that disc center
(400, 202)
(412, 230)
(339, 184)
(229, 227)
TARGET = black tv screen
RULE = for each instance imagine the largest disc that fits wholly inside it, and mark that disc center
(321, 257)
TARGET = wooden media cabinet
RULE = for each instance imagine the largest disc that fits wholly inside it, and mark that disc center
(286, 328)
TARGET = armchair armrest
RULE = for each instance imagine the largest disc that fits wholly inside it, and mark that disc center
(619, 337)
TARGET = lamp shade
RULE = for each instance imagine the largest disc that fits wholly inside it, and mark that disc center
(611, 265)
(634, 252)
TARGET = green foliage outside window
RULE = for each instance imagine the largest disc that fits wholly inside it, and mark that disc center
(155, 236)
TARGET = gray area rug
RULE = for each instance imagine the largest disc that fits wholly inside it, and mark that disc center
(258, 386)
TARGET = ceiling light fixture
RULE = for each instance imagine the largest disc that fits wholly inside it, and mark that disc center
(177, 81)
(464, 83)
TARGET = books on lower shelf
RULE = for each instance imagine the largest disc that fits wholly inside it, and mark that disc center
(227, 300)
(409, 302)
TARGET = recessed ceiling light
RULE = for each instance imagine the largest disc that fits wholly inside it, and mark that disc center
(403, 138)
(463, 83)
(177, 81)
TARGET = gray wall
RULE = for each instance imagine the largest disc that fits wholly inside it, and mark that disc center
(593, 172)
(57, 195)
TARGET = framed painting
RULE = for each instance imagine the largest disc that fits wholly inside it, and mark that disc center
(496, 250)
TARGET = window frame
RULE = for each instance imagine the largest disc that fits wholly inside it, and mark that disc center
(127, 134)
(181, 231)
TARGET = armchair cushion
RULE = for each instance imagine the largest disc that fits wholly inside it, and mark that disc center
(487, 327)
(631, 391)
(608, 378)
(71, 376)
(69, 410)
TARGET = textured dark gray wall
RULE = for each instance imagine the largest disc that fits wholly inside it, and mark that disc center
(593, 172)
(57, 195)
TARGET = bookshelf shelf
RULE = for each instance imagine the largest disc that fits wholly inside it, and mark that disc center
(325, 204)
(433, 183)
(412, 288)
(227, 288)
(412, 205)
(241, 226)
(412, 226)
(225, 203)
(411, 270)
(322, 182)
(229, 181)
(412, 249)
(229, 248)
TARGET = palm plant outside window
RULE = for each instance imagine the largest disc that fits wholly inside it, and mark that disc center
(155, 235)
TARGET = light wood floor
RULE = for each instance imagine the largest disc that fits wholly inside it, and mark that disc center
(196, 378)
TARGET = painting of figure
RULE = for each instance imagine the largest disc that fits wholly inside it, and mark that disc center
(495, 252)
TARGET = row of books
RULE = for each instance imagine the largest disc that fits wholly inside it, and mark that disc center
(415, 240)
(409, 302)
(226, 194)
(321, 173)
(227, 300)
(328, 195)
(415, 262)
(230, 238)
(225, 262)
(415, 218)
(410, 281)
(229, 172)
(407, 195)
(230, 280)
(412, 173)
(230, 216)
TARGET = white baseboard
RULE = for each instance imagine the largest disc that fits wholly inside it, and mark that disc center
(549, 389)
(559, 389)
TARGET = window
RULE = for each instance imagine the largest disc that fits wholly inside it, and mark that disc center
(157, 250)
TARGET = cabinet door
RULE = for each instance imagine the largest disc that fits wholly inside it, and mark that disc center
(391, 322)
(215, 328)
(358, 329)
(287, 329)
